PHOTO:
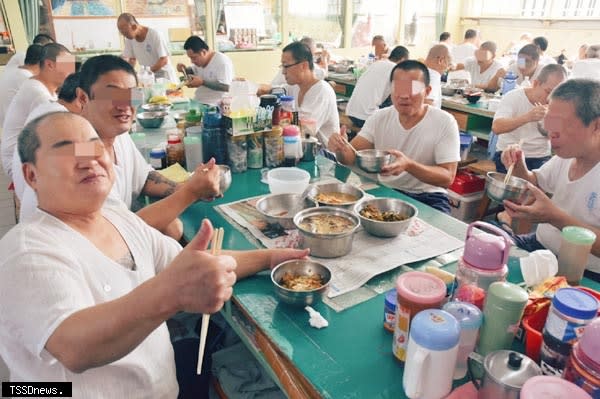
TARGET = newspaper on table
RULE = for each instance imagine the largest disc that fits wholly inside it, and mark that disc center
(369, 257)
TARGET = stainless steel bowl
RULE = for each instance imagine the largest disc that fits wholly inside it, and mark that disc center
(515, 190)
(344, 188)
(448, 90)
(327, 245)
(281, 208)
(156, 107)
(372, 160)
(151, 120)
(387, 229)
(300, 267)
(225, 180)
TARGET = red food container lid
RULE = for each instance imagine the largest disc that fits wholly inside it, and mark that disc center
(467, 183)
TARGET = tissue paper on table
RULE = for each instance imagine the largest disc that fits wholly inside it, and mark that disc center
(538, 266)
(316, 320)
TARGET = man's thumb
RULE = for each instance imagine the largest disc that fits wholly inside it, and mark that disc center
(203, 237)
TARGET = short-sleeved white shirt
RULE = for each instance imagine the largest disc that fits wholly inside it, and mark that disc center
(10, 82)
(16, 60)
(514, 68)
(435, 81)
(279, 79)
(477, 77)
(31, 93)
(372, 88)
(219, 69)
(513, 104)
(588, 68)
(48, 271)
(433, 141)
(463, 51)
(579, 198)
(148, 52)
(319, 103)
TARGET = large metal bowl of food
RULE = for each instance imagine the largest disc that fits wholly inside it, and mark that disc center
(151, 120)
(326, 230)
(385, 217)
(515, 190)
(300, 281)
(281, 208)
(335, 194)
(372, 160)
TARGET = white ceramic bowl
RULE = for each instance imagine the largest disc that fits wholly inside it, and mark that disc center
(287, 180)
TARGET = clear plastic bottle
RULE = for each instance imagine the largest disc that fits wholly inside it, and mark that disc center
(509, 82)
(237, 149)
(288, 111)
(292, 146)
(526, 83)
(273, 148)
(175, 151)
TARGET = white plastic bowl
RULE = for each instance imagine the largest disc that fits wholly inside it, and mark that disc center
(288, 180)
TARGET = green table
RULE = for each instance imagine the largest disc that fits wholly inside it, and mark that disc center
(350, 358)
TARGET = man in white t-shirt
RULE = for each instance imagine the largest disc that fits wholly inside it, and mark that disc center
(86, 288)
(56, 63)
(320, 60)
(12, 78)
(314, 98)
(423, 139)
(484, 69)
(518, 115)
(438, 61)
(589, 67)
(373, 87)
(542, 44)
(467, 48)
(528, 64)
(211, 71)
(146, 46)
(18, 58)
(572, 176)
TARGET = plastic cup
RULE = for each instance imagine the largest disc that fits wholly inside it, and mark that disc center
(576, 243)
(326, 167)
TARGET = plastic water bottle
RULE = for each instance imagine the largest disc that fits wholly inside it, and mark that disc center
(526, 83)
(510, 82)
(292, 146)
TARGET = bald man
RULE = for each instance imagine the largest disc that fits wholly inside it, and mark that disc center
(438, 61)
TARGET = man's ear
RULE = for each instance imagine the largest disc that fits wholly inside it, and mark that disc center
(30, 174)
(82, 96)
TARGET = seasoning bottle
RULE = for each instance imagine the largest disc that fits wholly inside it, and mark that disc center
(193, 152)
(237, 149)
(175, 151)
(292, 146)
(271, 102)
(583, 366)
(571, 310)
(273, 148)
(389, 310)
(288, 113)
(214, 143)
(158, 158)
(255, 151)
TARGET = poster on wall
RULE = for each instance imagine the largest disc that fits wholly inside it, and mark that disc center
(149, 8)
(84, 8)
(245, 24)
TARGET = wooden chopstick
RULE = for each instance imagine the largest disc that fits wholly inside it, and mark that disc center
(215, 244)
(509, 172)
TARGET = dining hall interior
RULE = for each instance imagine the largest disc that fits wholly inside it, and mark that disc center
(302, 199)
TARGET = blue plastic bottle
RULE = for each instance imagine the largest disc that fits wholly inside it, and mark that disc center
(510, 82)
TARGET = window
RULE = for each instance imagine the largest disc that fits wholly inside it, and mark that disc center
(374, 17)
(548, 9)
(6, 45)
(322, 20)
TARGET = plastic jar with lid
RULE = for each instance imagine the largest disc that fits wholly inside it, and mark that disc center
(415, 291)
(158, 158)
(214, 142)
(237, 149)
(272, 103)
(571, 310)
(273, 148)
(292, 146)
(583, 365)
(473, 282)
(543, 386)
(255, 150)
(175, 151)
(470, 318)
(288, 113)
(389, 310)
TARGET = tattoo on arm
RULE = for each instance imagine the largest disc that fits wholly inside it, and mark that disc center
(216, 85)
(158, 186)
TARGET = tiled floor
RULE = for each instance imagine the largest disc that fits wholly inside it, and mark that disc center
(7, 205)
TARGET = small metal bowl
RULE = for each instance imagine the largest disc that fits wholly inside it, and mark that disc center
(327, 245)
(343, 188)
(151, 120)
(515, 190)
(156, 107)
(372, 160)
(225, 180)
(299, 267)
(281, 208)
(448, 91)
(387, 229)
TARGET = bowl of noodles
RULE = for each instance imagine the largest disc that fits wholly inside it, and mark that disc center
(385, 217)
(340, 195)
(300, 281)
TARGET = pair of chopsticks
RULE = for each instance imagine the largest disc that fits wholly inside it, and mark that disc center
(509, 172)
(215, 245)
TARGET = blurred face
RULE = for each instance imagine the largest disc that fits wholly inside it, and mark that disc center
(569, 137)
(200, 58)
(409, 91)
(526, 64)
(61, 68)
(380, 47)
(483, 56)
(126, 29)
(72, 173)
(542, 90)
(109, 107)
(290, 68)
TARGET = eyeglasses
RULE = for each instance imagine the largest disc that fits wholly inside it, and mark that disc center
(290, 65)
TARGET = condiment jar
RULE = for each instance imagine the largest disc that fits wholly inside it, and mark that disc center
(255, 150)
(431, 355)
(214, 143)
(484, 262)
(469, 318)
(571, 310)
(389, 310)
(292, 146)
(502, 311)
(583, 366)
(158, 158)
(549, 387)
(273, 148)
(288, 115)
(237, 149)
(504, 373)
(193, 152)
(415, 291)
(175, 151)
(271, 102)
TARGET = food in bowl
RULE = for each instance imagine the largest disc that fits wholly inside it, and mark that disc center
(335, 198)
(301, 282)
(373, 213)
(382, 228)
(326, 224)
